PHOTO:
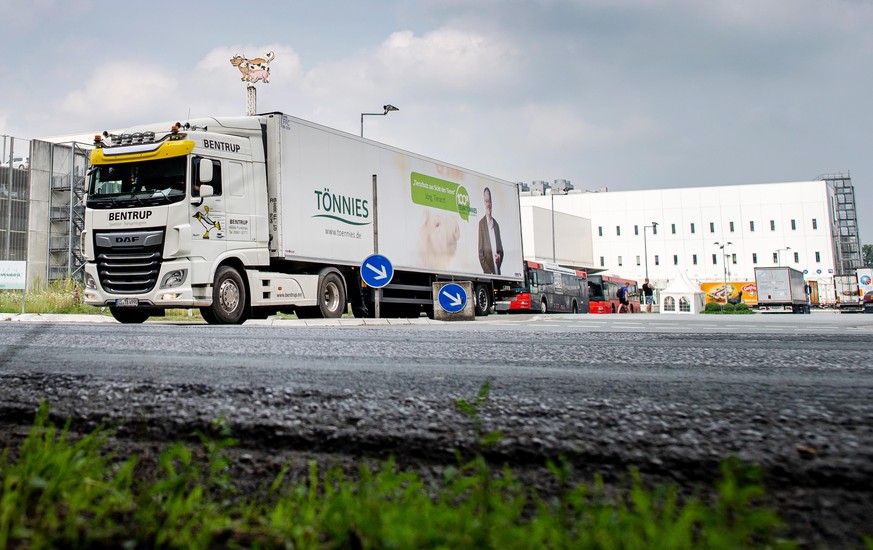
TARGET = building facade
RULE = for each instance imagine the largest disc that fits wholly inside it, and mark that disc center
(720, 233)
(41, 209)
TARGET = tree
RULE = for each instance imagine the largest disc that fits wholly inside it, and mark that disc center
(867, 254)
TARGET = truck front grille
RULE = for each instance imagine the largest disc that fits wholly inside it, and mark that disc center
(129, 262)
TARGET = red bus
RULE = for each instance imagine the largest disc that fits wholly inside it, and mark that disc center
(548, 288)
(603, 291)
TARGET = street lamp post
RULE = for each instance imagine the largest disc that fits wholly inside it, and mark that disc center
(724, 266)
(779, 255)
(554, 247)
(654, 227)
(388, 108)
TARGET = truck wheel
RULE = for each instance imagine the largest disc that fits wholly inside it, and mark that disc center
(208, 316)
(228, 297)
(483, 300)
(131, 316)
(332, 296)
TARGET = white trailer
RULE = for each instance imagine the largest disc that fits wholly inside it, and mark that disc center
(849, 299)
(865, 288)
(246, 216)
(781, 289)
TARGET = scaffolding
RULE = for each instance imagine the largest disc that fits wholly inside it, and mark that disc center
(847, 246)
(69, 163)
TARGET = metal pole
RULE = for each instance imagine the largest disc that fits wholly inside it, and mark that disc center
(72, 225)
(378, 293)
(251, 100)
(9, 177)
(554, 254)
(645, 252)
(24, 290)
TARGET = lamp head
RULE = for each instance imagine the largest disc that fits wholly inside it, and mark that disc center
(389, 108)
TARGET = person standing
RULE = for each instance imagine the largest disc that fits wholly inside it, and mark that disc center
(623, 303)
(490, 245)
(648, 295)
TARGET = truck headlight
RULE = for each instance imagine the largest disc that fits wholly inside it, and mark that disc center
(174, 278)
(90, 283)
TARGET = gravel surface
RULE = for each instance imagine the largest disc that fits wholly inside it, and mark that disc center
(672, 405)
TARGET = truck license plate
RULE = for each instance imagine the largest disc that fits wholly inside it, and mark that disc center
(126, 302)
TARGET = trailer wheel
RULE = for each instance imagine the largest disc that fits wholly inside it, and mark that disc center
(483, 299)
(228, 297)
(129, 316)
(331, 296)
(361, 312)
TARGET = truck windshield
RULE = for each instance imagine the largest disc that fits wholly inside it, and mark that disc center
(136, 184)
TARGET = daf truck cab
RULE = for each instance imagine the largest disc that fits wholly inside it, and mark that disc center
(162, 211)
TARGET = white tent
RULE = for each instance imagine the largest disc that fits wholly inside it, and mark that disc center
(682, 296)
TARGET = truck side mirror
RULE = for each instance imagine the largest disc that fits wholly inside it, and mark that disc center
(205, 171)
(205, 190)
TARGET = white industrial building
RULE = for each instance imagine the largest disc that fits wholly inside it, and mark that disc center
(807, 225)
(710, 233)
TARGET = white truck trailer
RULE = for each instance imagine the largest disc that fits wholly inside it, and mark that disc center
(865, 288)
(848, 293)
(243, 217)
(855, 291)
(781, 289)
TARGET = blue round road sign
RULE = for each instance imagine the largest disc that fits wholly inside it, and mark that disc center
(452, 298)
(377, 271)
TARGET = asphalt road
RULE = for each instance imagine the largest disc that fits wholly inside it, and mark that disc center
(671, 396)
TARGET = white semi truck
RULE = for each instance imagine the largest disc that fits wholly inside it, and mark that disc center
(243, 217)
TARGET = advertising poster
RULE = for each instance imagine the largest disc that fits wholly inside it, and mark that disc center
(12, 275)
(715, 292)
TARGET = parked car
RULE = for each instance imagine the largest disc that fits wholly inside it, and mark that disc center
(17, 162)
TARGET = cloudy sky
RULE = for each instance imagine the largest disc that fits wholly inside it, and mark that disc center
(626, 94)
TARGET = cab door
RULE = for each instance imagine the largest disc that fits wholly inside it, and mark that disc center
(208, 215)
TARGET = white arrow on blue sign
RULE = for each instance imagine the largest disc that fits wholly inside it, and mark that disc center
(452, 298)
(377, 271)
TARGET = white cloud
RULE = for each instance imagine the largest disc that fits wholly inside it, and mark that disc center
(437, 64)
(117, 92)
(447, 58)
(629, 93)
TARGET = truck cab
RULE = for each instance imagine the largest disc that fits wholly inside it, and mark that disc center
(164, 210)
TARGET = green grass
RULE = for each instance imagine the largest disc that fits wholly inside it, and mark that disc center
(63, 492)
(65, 297)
